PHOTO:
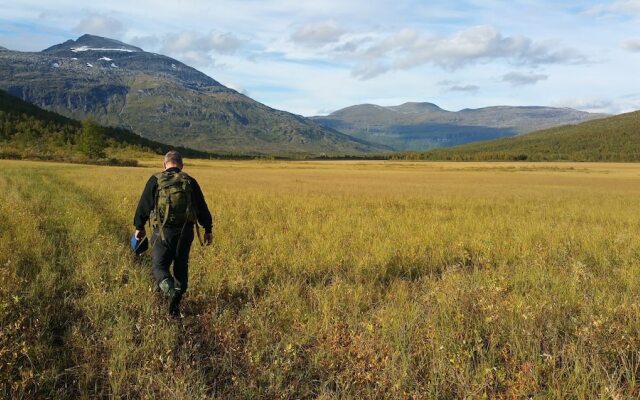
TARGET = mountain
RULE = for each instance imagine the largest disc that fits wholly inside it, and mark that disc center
(161, 99)
(615, 138)
(420, 126)
(27, 131)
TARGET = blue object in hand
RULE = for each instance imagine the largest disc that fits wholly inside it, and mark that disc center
(139, 246)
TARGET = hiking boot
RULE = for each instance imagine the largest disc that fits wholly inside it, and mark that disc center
(174, 303)
(166, 287)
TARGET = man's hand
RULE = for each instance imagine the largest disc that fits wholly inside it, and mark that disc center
(208, 238)
(140, 233)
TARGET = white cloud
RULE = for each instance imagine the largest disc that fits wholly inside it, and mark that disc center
(181, 42)
(455, 86)
(408, 49)
(145, 42)
(625, 6)
(98, 24)
(520, 79)
(587, 104)
(632, 45)
(318, 33)
(351, 45)
(619, 7)
(224, 43)
(464, 88)
(195, 58)
(192, 48)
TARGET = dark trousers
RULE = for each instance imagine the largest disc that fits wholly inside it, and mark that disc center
(173, 249)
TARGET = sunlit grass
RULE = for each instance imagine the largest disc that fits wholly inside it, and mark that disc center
(330, 280)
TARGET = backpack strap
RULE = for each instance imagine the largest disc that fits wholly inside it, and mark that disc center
(190, 208)
(164, 222)
(199, 235)
(159, 224)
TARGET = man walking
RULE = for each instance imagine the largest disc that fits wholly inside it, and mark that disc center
(174, 203)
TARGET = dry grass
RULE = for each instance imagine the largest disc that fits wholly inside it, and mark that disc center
(329, 280)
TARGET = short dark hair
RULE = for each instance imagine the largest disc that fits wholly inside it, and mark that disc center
(173, 157)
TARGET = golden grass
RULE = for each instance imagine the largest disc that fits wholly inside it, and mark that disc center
(329, 280)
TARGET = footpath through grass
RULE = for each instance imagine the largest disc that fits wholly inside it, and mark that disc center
(328, 280)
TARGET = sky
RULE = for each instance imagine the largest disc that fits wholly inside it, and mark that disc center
(315, 57)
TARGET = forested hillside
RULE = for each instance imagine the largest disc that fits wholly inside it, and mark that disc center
(610, 139)
(27, 131)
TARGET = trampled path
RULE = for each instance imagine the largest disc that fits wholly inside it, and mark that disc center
(84, 311)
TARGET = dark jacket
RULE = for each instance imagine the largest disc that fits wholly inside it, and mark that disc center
(147, 203)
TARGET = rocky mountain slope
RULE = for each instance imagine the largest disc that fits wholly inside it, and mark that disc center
(161, 99)
(420, 126)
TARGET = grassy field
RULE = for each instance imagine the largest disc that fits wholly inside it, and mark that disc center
(328, 280)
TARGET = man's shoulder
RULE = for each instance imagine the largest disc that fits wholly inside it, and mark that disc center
(186, 175)
(153, 179)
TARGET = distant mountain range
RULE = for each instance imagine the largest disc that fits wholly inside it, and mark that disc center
(615, 138)
(162, 99)
(27, 131)
(421, 126)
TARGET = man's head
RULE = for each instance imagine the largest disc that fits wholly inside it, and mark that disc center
(172, 159)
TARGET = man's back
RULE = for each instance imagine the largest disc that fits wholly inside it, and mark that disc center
(173, 202)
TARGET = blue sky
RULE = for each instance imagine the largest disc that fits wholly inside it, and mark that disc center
(314, 57)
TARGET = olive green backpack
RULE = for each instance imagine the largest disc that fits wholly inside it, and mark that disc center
(173, 205)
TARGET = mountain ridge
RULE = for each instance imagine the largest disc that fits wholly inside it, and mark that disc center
(424, 125)
(413, 107)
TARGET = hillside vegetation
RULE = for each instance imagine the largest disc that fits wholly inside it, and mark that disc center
(328, 280)
(29, 132)
(610, 139)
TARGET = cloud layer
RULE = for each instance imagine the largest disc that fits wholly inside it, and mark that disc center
(222, 43)
(408, 49)
(632, 45)
(618, 7)
(522, 79)
(192, 47)
(102, 25)
(317, 33)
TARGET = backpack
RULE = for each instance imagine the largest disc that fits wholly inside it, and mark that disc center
(173, 204)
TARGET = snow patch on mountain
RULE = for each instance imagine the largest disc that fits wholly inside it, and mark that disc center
(87, 48)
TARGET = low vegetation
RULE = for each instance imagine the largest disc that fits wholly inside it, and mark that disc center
(609, 139)
(328, 280)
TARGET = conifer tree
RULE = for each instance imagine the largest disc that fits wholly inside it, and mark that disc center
(90, 140)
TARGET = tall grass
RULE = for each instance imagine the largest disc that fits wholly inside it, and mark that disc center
(328, 280)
